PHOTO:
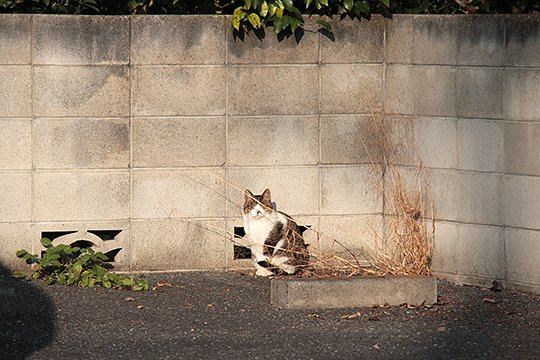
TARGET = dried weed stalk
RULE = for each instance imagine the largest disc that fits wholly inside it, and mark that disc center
(405, 245)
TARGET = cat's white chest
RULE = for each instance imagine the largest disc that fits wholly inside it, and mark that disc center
(259, 229)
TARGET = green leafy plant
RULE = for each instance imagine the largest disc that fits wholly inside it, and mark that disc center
(285, 16)
(72, 265)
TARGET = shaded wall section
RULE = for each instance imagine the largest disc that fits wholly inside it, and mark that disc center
(145, 130)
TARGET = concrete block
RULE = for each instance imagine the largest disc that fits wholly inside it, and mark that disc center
(422, 39)
(15, 144)
(351, 88)
(481, 198)
(522, 254)
(436, 141)
(81, 91)
(15, 39)
(521, 148)
(81, 143)
(521, 94)
(178, 245)
(480, 251)
(356, 42)
(480, 92)
(81, 40)
(481, 145)
(445, 248)
(268, 89)
(481, 40)
(98, 233)
(444, 191)
(361, 234)
(429, 140)
(273, 50)
(178, 141)
(399, 89)
(353, 292)
(16, 196)
(434, 90)
(14, 237)
(399, 39)
(16, 91)
(350, 139)
(295, 190)
(178, 193)
(351, 190)
(292, 140)
(522, 44)
(400, 144)
(435, 39)
(81, 195)
(178, 91)
(189, 40)
(522, 201)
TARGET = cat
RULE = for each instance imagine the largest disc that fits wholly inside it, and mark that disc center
(275, 239)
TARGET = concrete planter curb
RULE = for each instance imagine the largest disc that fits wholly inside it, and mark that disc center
(353, 292)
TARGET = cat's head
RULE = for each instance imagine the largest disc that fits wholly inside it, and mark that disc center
(257, 206)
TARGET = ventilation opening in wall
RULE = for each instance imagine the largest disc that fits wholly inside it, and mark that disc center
(104, 235)
(52, 235)
(242, 252)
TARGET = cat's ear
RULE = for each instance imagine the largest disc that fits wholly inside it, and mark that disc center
(266, 196)
(248, 195)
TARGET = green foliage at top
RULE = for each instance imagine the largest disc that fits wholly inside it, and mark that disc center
(280, 14)
(71, 265)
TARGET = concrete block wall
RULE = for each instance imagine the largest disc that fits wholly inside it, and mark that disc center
(466, 84)
(153, 125)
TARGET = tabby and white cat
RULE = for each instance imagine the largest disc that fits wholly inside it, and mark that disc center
(275, 239)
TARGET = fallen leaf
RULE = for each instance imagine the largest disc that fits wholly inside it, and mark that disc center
(211, 305)
(376, 347)
(140, 307)
(351, 316)
(160, 284)
(440, 301)
(488, 300)
(129, 299)
(442, 328)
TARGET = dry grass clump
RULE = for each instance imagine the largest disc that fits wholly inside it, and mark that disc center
(406, 248)
(405, 245)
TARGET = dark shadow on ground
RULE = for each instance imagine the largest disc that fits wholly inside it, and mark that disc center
(26, 317)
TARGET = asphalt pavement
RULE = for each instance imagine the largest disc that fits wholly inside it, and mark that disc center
(227, 315)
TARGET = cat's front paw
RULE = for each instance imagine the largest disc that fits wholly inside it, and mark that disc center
(289, 269)
(263, 272)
